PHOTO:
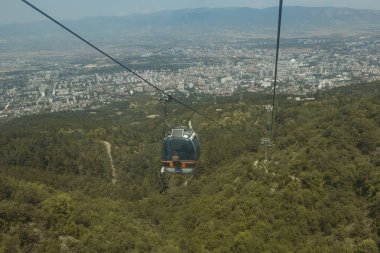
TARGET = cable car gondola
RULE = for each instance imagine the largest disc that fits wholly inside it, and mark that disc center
(180, 151)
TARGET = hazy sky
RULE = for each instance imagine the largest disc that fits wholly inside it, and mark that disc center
(15, 11)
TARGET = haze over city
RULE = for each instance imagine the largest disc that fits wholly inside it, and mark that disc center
(12, 11)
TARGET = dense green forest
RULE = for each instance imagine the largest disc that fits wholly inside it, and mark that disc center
(318, 191)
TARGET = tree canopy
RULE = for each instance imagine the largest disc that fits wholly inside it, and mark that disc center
(318, 191)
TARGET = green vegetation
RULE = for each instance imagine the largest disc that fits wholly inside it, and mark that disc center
(318, 191)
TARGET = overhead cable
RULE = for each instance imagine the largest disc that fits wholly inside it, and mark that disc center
(276, 64)
(121, 64)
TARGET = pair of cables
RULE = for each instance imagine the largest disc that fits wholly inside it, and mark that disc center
(154, 86)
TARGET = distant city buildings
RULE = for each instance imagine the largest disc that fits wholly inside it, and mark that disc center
(32, 85)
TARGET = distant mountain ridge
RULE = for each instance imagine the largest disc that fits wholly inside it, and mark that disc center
(238, 19)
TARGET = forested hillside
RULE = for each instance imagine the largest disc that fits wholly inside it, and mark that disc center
(318, 191)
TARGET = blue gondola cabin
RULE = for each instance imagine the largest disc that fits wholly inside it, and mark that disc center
(180, 152)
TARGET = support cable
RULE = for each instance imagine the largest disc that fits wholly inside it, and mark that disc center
(122, 65)
(276, 64)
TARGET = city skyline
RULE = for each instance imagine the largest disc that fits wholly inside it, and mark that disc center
(12, 11)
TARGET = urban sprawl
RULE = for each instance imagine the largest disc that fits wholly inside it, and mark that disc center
(39, 82)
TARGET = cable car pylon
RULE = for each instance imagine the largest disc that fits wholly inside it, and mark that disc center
(166, 124)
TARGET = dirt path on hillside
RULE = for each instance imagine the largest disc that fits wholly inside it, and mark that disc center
(113, 169)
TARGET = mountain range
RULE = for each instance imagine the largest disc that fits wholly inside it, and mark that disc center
(296, 21)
